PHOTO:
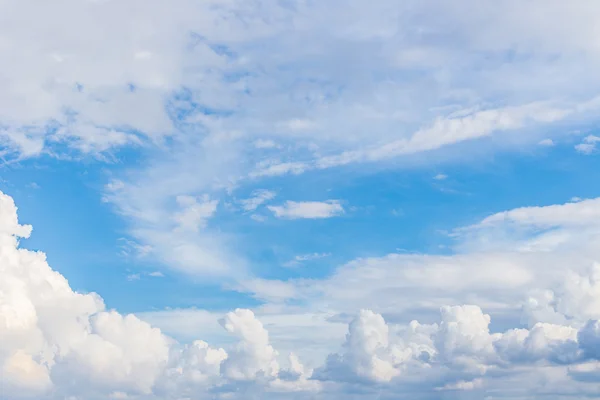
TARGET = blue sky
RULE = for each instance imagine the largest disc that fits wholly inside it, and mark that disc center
(390, 208)
(275, 177)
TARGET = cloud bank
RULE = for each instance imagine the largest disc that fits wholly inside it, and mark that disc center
(57, 343)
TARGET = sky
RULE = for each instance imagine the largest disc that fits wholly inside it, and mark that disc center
(299, 199)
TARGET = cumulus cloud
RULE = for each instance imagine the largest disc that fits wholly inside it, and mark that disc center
(307, 209)
(50, 332)
(458, 353)
(253, 355)
(527, 265)
(367, 354)
(57, 342)
(575, 298)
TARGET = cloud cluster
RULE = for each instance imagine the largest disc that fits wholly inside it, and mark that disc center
(252, 90)
(461, 353)
(57, 343)
(212, 64)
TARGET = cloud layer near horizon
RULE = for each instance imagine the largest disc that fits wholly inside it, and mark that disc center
(56, 343)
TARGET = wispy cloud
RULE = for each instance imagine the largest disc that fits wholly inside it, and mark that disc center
(546, 142)
(138, 275)
(308, 209)
(299, 259)
(258, 198)
(240, 100)
(194, 212)
(588, 145)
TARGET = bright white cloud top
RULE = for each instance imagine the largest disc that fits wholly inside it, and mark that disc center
(299, 199)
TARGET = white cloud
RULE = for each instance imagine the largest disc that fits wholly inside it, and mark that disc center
(464, 385)
(258, 198)
(588, 146)
(124, 88)
(367, 352)
(55, 80)
(307, 209)
(459, 353)
(49, 332)
(194, 213)
(453, 129)
(130, 248)
(575, 298)
(299, 259)
(133, 277)
(253, 65)
(298, 124)
(265, 144)
(496, 264)
(258, 217)
(254, 354)
(57, 342)
(148, 200)
(138, 276)
(440, 177)
(582, 213)
(275, 168)
(265, 289)
(546, 142)
(585, 148)
(227, 92)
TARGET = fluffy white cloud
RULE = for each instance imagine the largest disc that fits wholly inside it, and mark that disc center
(459, 353)
(50, 332)
(74, 89)
(532, 264)
(367, 353)
(56, 342)
(253, 355)
(308, 209)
